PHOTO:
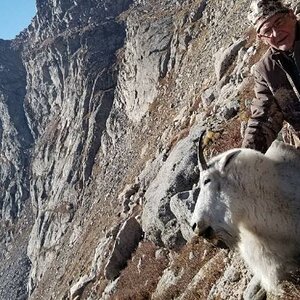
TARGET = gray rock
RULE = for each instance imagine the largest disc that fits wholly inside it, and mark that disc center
(254, 291)
(161, 253)
(126, 242)
(101, 255)
(171, 235)
(178, 174)
(232, 274)
(225, 57)
(147, 56)
(208, 96)
(15, 136)
(69, 55)
(15, 151)
(126, 194)
(197, 14)
(77, 289)
(230, 110)
(169, 278)
(109, 290)
(182, 206)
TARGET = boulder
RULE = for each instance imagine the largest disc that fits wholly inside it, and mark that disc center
(178, 173)
(182, 206)
(126, 242)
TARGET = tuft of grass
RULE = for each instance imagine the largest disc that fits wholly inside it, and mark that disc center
(139, 280)
(289, 291)
(229, 138)
(190, 260)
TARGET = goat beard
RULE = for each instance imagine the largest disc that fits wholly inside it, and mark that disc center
(223, 239)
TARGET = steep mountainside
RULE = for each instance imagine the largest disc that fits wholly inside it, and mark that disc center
(15, 144)
(102, 104)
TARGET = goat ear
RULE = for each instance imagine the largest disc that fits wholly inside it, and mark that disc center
(227, 159)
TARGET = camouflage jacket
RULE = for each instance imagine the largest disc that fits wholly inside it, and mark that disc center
(277, 90)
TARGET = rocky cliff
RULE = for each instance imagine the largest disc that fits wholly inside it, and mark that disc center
(102, 103)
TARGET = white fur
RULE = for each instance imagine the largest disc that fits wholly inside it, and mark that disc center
(253, 204)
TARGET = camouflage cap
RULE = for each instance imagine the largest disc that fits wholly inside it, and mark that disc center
(262, 10)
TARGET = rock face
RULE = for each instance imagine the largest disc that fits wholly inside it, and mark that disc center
(176, 175)
(72, 78)
(127, 241)
(15, 145)
(144, 65)
(102, 103)
(15, 138)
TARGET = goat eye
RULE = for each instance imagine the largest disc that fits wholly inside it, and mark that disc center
(206, 181)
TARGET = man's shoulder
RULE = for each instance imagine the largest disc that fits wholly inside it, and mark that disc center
(266, 62)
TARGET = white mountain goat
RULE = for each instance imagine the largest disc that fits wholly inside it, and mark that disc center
(251, 202)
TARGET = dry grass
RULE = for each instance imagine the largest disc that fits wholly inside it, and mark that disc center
(228, 139)
(261, 49)
(177, 137)
(290, 290)
(190, 260)
(139, 280)
(251, 37)
(246, 95)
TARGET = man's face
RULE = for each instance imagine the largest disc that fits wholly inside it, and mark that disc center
(279, 31)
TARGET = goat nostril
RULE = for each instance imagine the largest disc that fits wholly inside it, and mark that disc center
(208, 233)
(194, 226)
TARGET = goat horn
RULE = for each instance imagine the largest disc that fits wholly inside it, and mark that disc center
(201, 160)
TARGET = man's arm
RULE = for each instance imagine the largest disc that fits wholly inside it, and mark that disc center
(266, 117)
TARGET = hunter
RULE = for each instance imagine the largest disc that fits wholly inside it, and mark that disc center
(277, 76)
